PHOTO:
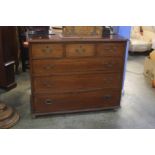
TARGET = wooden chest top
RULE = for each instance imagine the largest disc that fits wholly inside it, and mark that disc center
(60, 38)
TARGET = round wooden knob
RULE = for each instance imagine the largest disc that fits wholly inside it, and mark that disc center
(8, 116)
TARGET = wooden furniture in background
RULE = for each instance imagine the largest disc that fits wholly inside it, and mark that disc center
(23, 50)
(8, 55)
(82, 31)
(22, 34)
(8, 116)
(75, 74)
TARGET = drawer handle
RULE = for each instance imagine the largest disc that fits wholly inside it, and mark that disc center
(47, 84)
(107, 49)
(48, 101)
(115, 48)
(49, 67)
(111, 50)
(108, 79)
(107, 97)
(109, 65)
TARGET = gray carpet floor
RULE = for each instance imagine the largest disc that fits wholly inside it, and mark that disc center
(137, 105)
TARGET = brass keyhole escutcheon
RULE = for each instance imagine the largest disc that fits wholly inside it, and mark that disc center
(109, 65)
(48, 84)
(107, 97)
(80, 50)
(47, 50)
(49, 67)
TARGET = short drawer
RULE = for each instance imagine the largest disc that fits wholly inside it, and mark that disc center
(111, 49)
(80, 50)
(47, 51)
(49, 67)
(75, 83)
(76, 101)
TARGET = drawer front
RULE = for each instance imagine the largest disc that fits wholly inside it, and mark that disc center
(111, 49)
(75, 83)
(47, 51)
(76, 101)
(49, 67)
(80, 50)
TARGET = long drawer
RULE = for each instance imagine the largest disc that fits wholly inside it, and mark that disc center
(76, 101)
(49, 67)
(74, 83)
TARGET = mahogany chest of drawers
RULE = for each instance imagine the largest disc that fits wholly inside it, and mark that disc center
(75, 74)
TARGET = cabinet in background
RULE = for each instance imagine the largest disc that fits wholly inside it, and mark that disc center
(8, 51)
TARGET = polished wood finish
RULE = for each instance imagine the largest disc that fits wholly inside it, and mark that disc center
(110, 49)
(48, 67)
(76, 82)
(8, 52)
(60, 39)
(77, 75)
(76, 101)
